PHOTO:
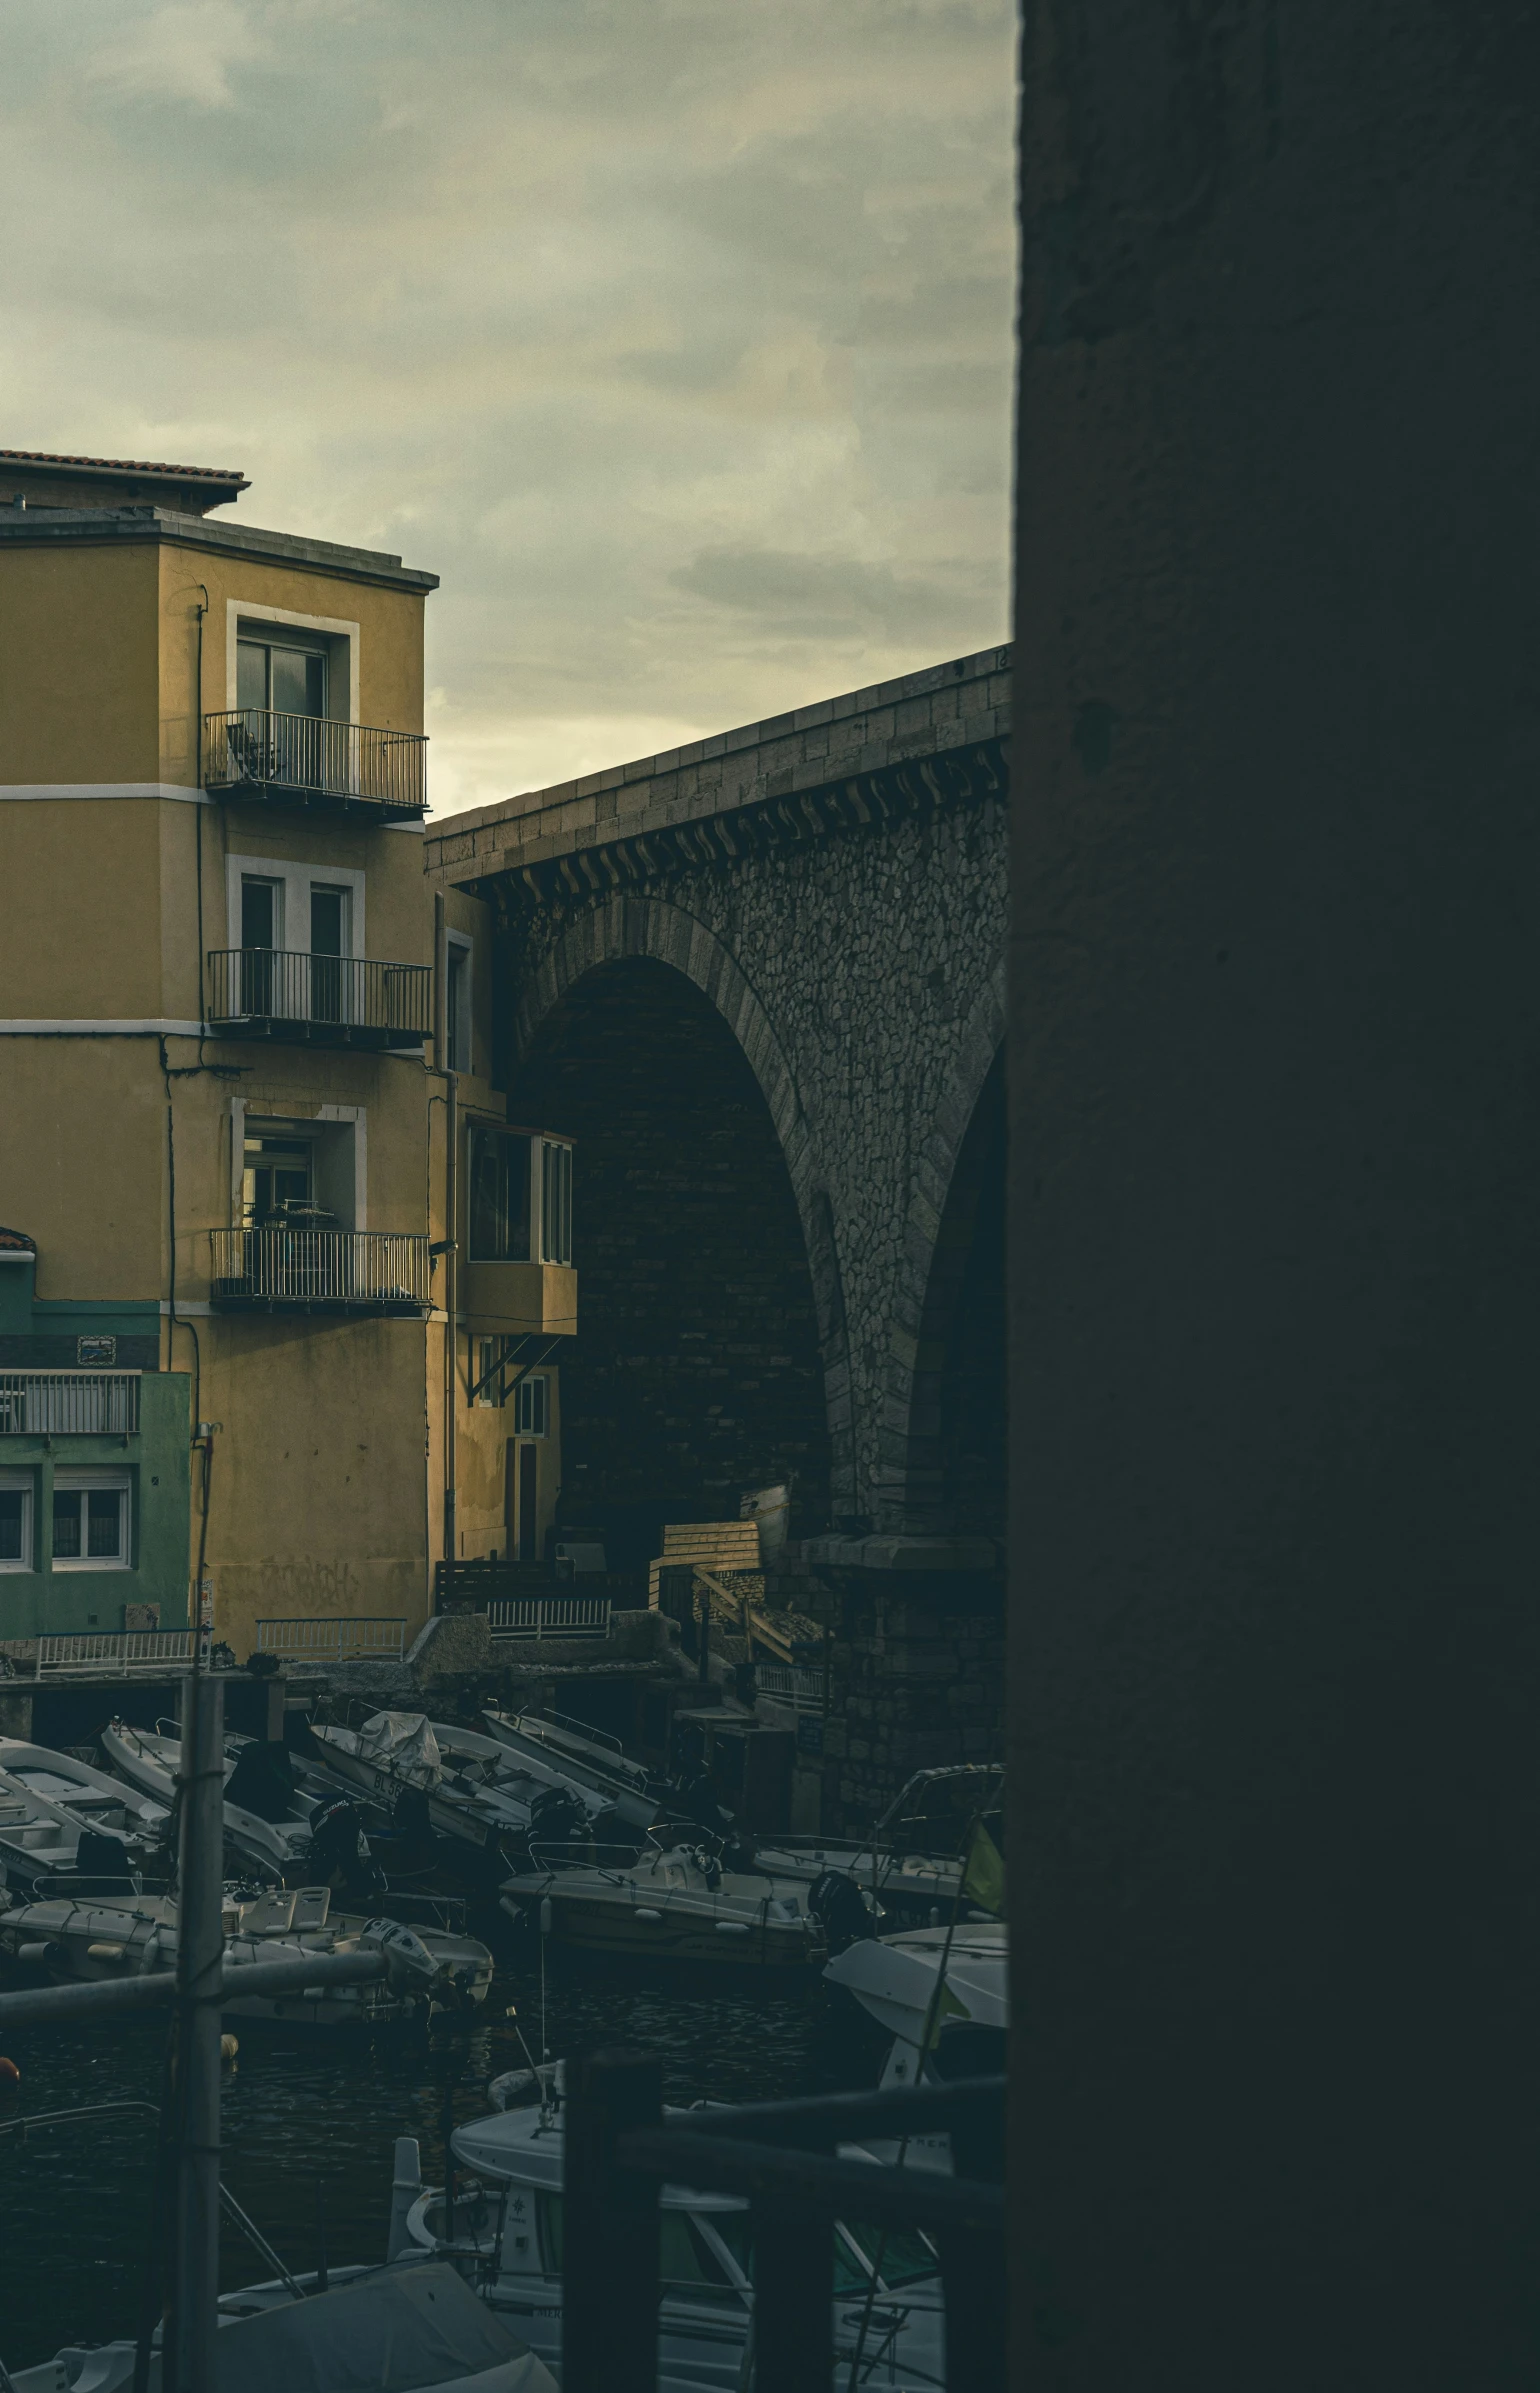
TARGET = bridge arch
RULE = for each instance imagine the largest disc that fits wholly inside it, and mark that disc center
(944, 1461)
(639, 1032)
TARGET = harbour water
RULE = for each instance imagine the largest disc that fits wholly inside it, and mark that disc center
(310, 2119)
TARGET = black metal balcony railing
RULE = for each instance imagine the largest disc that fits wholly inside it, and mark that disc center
(265, 992)
(299, 760)
(319, 1271)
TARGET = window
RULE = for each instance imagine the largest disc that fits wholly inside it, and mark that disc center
(261, 912)
(486, 1356)
(15, 1520)
(282, 676)
(328, 945)
(90, 1520)
(278, 1181)
(499, 1196)
(555, 1202)
(532, 1406)
(457, 1005)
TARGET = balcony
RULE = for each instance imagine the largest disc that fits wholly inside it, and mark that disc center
(69, 1403)
(297, 1270)
(301, 760)
(327, 1001)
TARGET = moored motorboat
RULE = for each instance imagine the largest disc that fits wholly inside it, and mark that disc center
(56, 1805)
(568, 1753)
(411, 2330)
(909, 1866)
(474, 1789)
(674, 1905)
(78, 1940)
(60, 1817)
(148, 1759)
(918, 1984)
(505, 2231)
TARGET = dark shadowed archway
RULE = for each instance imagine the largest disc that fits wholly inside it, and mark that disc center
(958, 1400)
(696, 1372)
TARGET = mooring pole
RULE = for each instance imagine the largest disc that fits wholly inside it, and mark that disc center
(200, 1979)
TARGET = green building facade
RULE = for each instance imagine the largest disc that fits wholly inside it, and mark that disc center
(95, 1462)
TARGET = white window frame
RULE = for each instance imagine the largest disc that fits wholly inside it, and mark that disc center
(461, 944)
(531, 1381)
(239, 610)
(82, 1482)
(482, 1357)
(266, 1122)
(295, 879)
(22, 1482)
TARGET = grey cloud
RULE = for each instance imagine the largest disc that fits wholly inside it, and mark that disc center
(675, 337)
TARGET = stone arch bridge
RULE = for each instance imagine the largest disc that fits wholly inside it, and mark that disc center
(760, 981)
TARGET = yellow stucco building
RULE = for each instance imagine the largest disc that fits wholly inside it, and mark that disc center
(235, 1032)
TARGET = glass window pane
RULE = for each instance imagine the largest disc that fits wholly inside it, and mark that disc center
(905, 2254)
(315, 686)
(12, 1507)
(259, 927)
(556, 1204)
(686, 2262)
(293, 690)
(499, 1198)
(66, 1523)
(250, 673)
(104, 1515)
(458, 1008)
(327, 922)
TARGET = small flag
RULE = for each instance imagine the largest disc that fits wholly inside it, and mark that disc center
(984, 1872)
(945, 2006)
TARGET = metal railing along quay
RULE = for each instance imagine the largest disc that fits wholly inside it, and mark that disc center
(305, 760)
(257, 991)
(549, 1616)
(113, 1653)
(377, 1271)
(784, 2158)
(333, 1640)
(802, 1688)
(69, 1403)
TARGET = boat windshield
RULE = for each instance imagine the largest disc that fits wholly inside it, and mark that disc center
(906, 2256)
(900, 2256)
(690, 2270)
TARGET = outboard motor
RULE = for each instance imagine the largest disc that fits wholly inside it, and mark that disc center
(556, 1817)
(263, 1780)
(103, 1858)
(839, 1905)
(414, 1822)
(698, 1800)
(340, 1855)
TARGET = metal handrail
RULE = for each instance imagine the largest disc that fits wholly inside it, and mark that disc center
(784, 2157)
(252, 747)
(540, 1616)
(69, 1403)
(305, 1267)
(340, 1639)
(115, 1652)
(269, 984)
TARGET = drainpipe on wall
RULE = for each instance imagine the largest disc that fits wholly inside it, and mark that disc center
(451, 1227)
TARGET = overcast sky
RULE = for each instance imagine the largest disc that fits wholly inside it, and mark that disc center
(674, 334)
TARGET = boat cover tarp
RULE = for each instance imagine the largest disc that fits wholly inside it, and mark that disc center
(404, 1744)
(394, 2332)
(262, 1781)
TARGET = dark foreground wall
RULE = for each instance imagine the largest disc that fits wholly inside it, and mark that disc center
(1276, 1153)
